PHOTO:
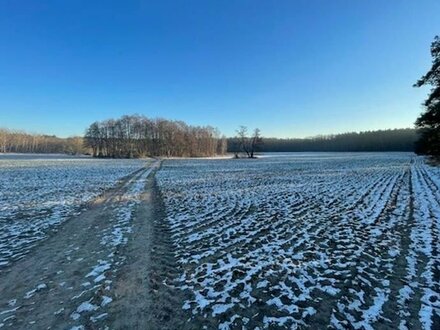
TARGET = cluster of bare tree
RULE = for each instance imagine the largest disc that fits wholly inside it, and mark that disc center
(382, 140)
(138, 136)
(247, 144)
(19, 141)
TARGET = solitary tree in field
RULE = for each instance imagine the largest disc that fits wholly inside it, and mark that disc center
(249, 145)
(243, 140)
(429, 120)
(256, 142)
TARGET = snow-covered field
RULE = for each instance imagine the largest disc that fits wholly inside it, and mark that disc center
(38, 192)
(333, 239)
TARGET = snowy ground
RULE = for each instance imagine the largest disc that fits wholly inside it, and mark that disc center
(312, 240)
(72, 278)
(309, 240)
(39, 192)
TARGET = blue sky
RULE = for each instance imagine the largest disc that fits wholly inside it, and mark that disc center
(292, 68)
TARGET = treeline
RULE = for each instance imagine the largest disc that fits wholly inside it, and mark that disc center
(382, 140)
(139, 136)
(22, 142)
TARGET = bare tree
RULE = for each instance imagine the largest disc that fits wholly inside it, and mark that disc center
(256, 142)
(243, 140)
(249, 145)
(129, 136)
(18, 141)
(136, 136)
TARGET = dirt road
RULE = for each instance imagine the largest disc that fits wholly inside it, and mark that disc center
(110, 266)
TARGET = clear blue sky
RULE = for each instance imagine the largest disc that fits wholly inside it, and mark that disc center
(292, 68)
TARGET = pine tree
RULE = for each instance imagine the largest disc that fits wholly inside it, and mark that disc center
(429, 120)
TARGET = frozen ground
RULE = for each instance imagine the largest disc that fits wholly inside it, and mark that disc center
(339, 241)
(349, 241)
(72, 278)
(38, 192)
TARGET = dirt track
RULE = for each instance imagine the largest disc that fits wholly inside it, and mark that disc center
(73, 279)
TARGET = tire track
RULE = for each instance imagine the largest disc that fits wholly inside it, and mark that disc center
(71, 284)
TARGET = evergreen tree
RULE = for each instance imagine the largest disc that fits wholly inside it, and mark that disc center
(429, 120)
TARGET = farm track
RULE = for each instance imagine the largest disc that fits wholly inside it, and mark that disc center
(146, 296)
(37, 195)
(96, 270)
(17, 251)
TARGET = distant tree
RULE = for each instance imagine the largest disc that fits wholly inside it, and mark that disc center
(4, 135)
(91, 138)
(248, 145)
(383, 140)
(222, 145)
(243, 140)
(429, 120)
(137, 136)
(19, 141)
(74, 146)
(256, 142)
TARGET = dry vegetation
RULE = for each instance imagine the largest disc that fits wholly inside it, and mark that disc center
(21, 142)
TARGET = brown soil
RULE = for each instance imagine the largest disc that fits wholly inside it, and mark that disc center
(44, 289)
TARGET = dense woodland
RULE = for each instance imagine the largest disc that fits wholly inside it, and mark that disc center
(138, 136)
(22, 142)
(382, 140)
